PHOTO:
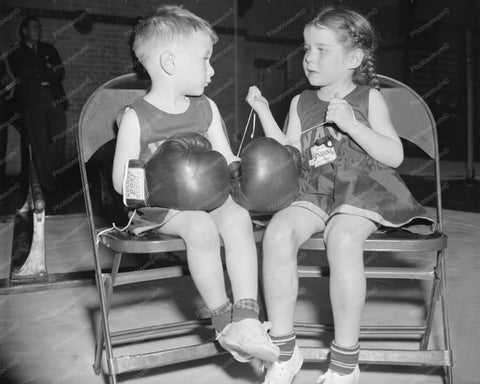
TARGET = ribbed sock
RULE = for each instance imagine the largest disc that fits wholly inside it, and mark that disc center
(286, 343)
(221, 316)
(343, 360)
(245, 309)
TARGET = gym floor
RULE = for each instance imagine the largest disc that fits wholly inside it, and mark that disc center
(47, 336)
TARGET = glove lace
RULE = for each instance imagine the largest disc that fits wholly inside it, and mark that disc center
(106, 230)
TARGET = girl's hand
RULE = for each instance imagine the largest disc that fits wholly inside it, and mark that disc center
(256, 100)
(341, 113)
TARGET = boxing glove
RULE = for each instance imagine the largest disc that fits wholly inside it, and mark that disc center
(183, 173)
(269, 176)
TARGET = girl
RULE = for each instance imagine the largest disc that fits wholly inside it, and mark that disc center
(349, 188)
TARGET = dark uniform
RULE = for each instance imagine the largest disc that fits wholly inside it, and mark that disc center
(41, 101)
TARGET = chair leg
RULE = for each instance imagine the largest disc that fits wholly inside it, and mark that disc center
(261, 296)
(446, 324)
(99, 329)
(104, 320)
(430, 312)
(116, 266)
(109, 283)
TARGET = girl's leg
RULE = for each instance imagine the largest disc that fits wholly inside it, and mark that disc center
(201, 237)
(287, 230)
(345, 237)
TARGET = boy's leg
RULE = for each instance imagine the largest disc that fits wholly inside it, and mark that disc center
(201, 237)
(345, 237)
(235, 227)
(287, 230)
(246, 334)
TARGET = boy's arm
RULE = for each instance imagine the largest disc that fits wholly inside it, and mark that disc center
(270, 126)
(216, 135)
(128, 147)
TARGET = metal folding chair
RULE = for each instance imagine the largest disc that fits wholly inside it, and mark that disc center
(96, 128)
(415, 123)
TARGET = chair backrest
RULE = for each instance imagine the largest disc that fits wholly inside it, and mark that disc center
(415, 123)
(410, 115)
(97, 126)
(97, 120)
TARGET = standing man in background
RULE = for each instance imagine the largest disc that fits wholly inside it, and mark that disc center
(41, 100)
(6, 85)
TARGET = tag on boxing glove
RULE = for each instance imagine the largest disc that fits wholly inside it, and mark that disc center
(134, 184)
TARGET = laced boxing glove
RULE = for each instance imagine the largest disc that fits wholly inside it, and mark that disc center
(270, 174)
(184, 173)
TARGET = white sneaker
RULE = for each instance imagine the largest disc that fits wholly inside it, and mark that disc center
(247, 339)
(332, 377)
(283, 372)
(232, 348)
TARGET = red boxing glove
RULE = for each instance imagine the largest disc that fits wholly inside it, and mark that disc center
(270, 176)
(184, 173)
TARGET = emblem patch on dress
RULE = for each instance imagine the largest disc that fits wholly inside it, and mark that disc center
(322, 152)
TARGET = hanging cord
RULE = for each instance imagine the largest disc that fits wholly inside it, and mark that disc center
(355, 122)
(353, 115)
(315, 127)
(246, 129)
(115, 227)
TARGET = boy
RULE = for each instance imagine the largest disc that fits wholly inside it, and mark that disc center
(175, 47)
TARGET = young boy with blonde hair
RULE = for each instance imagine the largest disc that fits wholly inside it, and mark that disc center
(175, 47)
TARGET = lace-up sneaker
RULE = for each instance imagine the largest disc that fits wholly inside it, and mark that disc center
(247, 339)
(332, 377)
(283, 372)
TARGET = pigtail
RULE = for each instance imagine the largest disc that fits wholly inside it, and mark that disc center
(371, 73)
(365, 74)
(365, 39)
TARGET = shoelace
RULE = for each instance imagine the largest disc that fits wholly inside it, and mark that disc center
(266, 326)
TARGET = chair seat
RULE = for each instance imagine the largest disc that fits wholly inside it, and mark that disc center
(392, 240)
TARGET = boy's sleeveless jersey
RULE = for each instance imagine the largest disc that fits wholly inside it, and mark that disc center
(340, 177)
(155, 127)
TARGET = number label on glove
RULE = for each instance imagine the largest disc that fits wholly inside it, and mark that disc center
(134, 184)
(323, 152)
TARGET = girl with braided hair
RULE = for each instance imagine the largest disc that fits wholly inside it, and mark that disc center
(348, 187)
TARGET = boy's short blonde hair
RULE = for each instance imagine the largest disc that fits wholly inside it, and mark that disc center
(167, 24)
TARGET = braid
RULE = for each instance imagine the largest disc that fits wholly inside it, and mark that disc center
(371, 73)
(365, 74)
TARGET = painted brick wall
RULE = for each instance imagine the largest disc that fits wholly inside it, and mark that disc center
(94, 58)
(91, 59)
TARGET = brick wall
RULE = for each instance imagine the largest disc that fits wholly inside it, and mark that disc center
(91, 59)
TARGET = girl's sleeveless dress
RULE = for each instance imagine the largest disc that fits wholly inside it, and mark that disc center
(340, 177)
(155, 127)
